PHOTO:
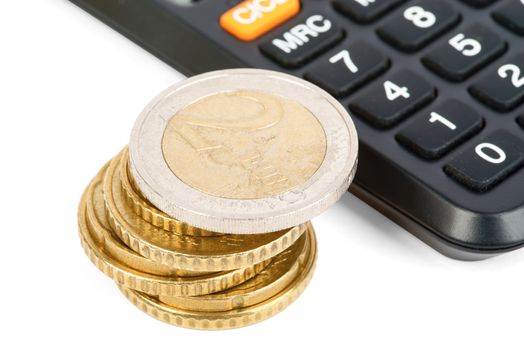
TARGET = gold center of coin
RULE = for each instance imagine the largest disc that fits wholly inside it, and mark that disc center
(244, 145)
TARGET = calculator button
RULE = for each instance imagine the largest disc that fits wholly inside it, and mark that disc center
(488, 162)
(301, 42)
(520, 121)
(441, 129)
(365, 11)
(252, 19)
(392, 99)
(348, 68)
(511, 16)
(418, 24)
(465, 53)
(502, 89)
(479, 3)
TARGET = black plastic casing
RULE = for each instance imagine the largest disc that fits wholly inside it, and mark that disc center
(413, 192)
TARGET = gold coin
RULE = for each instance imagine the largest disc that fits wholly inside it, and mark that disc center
(192, 253)
(130, 269)
(148, 212)
(283, 269)
(230, 319)
(99, 224)
(244, 144)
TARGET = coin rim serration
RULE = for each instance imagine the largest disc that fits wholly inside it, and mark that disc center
(151, 214)
(225, 320)
(186, 261)
(172, 196)
(150, 283)
(221, 302)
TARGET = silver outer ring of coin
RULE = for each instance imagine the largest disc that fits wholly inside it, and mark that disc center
(240, 216)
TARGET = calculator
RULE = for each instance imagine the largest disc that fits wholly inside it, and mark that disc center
(435, 88)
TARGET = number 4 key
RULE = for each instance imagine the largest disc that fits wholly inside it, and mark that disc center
(389, 101)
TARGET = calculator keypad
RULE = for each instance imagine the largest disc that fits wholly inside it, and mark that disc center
(511, 16)
(503, 88)
(418, 24)
(348, 68)
(441, 129)
(488, 162)
(426, 82)
(302, 41)
(365, 11)
(465, 52)
(393, 98)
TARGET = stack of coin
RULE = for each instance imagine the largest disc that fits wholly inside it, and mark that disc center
(203, 221)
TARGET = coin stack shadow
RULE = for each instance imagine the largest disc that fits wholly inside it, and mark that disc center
(184, 275)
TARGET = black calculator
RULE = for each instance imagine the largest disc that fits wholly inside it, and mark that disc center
(436, 90)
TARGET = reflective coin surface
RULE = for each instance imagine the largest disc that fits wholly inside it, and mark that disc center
(191, 253)
(238, 316)
(244, 145)
(130, 269)
(243, 151)
(279, 273)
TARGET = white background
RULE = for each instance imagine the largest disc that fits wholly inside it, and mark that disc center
(70, 89)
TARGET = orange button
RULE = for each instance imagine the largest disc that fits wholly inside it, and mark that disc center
(253, 18)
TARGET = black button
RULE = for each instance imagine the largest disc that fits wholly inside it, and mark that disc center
(440, 130)
(520, 121)
(302, 41)
(418, 24)
(465, 53)
(488, 162)
(502, 89)
(511, 16)
(347, 69)
(389, 101)
(365, 11)
(479, 3)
